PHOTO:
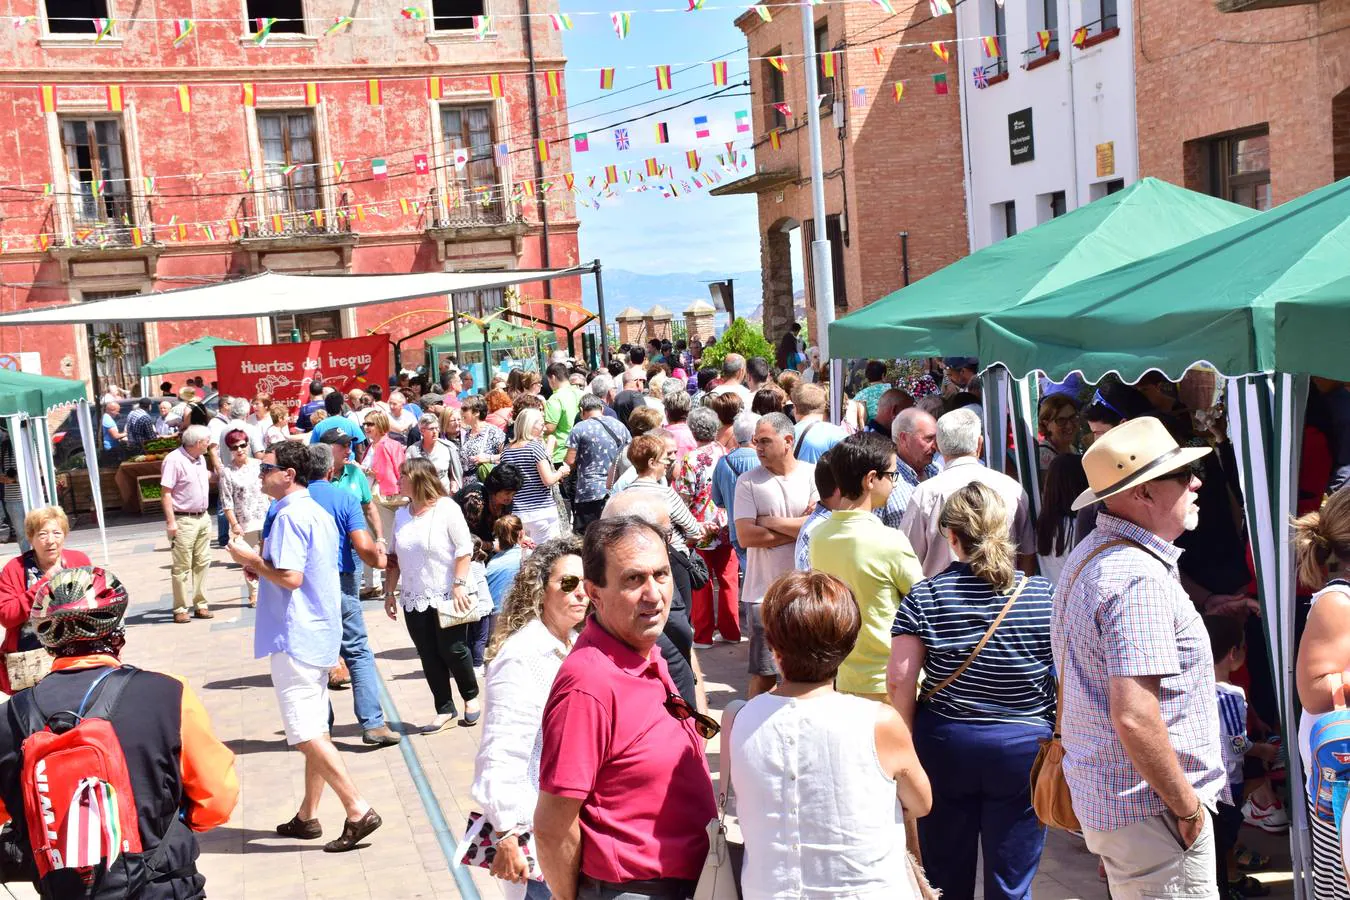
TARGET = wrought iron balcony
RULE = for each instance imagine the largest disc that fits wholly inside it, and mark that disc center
(458, 209)
(109, 219)
(291, 213)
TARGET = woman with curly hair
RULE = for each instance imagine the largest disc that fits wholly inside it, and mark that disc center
(534, 633)
(499, 408)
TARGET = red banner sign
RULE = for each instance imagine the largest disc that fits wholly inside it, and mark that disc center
(285, 370)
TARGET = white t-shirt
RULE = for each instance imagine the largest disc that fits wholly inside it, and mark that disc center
(759, 492)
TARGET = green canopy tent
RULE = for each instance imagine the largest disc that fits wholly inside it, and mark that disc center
(25, 401)
(1266, 302)
(194, 356)
(502, 337)
(937, 315)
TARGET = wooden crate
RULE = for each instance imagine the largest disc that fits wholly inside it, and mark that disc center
(80, 497)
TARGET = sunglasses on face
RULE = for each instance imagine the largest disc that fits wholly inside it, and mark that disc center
(238, 446)
(267, 468)
(568, 583)
(1184, 475)
(679, 708)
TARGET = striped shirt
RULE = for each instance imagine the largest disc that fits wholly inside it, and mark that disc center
(1126, 615)
(1233, 732)
(533, 493)
(1012, 680)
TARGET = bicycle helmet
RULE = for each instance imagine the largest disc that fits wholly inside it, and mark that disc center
(81, 604)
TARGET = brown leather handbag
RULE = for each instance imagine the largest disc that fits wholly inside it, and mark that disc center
(1050, 796)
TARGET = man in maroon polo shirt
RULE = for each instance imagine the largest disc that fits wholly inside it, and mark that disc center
(625, 796)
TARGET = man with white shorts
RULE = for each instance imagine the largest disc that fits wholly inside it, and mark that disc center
(299, 629)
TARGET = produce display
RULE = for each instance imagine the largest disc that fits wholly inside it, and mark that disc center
(157, 449)
(150, 490)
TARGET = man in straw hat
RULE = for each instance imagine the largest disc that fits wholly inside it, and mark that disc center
(1140, 726)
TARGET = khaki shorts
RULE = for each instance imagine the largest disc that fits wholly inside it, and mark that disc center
(1146, 859)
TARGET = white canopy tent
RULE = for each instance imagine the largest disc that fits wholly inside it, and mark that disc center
(271, 293)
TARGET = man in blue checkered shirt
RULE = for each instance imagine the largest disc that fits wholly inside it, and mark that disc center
(1142, 754)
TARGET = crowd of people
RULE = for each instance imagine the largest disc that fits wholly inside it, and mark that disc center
(561, 545)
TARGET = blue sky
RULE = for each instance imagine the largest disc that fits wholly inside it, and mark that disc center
(645, 232)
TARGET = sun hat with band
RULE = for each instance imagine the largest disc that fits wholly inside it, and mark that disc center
(1130, 454)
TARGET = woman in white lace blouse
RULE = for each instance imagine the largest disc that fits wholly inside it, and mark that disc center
(431, 553)
(534, 633)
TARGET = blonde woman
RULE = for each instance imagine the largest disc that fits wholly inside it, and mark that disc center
(1322, 548)
(534, 503)
(964, 726)
(534, 633)
(430, 554)
(381, 465)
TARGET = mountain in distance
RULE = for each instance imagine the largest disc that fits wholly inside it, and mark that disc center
(674, 291)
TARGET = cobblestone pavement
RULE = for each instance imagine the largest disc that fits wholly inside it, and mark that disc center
(421, 789)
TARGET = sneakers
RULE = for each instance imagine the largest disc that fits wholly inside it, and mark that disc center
(383, 736)
(1270, 819)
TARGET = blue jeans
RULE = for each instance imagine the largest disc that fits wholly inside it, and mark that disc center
(980, 775)
(15, 510)
(356, 653)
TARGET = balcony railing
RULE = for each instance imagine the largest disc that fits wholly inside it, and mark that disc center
(107, 220)
(291, 213)
(468, 209)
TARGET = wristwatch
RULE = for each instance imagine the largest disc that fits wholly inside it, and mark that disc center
(460, 582)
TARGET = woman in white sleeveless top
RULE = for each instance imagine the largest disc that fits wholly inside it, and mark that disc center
(822, 781)
(1322, 548)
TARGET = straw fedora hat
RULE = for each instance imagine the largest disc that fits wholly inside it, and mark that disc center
(1128, 455)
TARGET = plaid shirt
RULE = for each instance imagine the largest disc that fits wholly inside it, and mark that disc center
(901, 491)
(1127, 615)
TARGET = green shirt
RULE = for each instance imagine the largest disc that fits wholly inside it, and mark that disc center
(879, 567)
(561, 410)
(354, 482)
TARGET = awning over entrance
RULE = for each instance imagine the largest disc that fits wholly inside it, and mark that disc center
(271, 293)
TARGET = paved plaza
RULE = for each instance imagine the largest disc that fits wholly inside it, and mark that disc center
(421, 789)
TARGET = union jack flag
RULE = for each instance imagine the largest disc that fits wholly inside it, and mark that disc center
(621, 138)
(981, 79)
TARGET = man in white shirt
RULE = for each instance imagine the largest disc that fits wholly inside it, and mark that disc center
(733, 378)
(960, 440)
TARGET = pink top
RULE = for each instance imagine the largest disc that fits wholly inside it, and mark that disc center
(640, 773)
(684, 439)
(187, 481)
(383, 462)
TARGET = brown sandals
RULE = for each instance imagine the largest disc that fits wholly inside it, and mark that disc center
(354, 832)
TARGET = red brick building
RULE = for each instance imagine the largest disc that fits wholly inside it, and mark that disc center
(1244, 99)
(116, 180)
(890, 167)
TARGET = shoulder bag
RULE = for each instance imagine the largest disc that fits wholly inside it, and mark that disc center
(1050, 797)
(929, 693)
(718, 880)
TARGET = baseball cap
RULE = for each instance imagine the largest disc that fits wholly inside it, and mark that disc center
(336, 436)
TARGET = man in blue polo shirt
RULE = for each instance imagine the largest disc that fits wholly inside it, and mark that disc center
(299, 629)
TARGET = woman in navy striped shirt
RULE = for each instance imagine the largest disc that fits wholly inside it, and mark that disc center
(977, 736)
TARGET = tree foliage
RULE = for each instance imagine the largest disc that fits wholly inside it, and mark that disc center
(741, 337)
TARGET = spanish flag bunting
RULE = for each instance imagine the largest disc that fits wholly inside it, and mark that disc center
(774, 140)
(877, 54)
(434, 87)
(827, 64)
(246, 95)
(103, 28)
(340, 24)
(990, 45)
(43, 242)
(607, 79)
(1080, 37)
(374, 96)
(541, 146)
(611, 175)
(763, 12)
(691, 157)
(318, 218)
(360, 212)
(778, 63)
(234, 227)
(48, 93)
(1043, 40)
(184, 98)
(653, 166)
(940, 49)
(403, 205)
(182, 231)
(528, 188)
(416, 13)
(182, 29)
(570, 181)
(553, 82)
(719, 72)
(899, 90)
(137, 239)
(560, 21)
(662, 133)
(663, 78)
(311, 93)
(114, 98)
(278, 222)
(495, 86)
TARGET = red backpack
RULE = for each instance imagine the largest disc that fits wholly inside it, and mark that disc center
(81, 815)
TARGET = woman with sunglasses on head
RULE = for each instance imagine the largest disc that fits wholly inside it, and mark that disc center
(534, 634)
(242, 497)
(823, 781)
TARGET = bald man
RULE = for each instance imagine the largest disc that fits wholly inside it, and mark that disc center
(677, 641)
(889, 405)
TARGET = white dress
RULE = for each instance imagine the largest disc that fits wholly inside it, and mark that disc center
(819, 817)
